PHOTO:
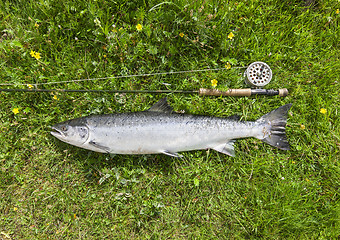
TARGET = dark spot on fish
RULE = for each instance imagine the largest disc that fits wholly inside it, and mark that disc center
(83, 132)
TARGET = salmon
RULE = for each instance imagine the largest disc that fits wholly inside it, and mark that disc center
(159, 130)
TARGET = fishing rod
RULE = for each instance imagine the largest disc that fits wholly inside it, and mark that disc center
(202, 91)
(257, 75)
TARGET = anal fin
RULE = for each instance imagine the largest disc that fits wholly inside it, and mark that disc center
(226, 148)
(172, 154)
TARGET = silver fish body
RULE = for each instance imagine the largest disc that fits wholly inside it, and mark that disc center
(158, 130)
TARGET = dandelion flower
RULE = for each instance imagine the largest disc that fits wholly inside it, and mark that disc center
(15, 110)
(228, 66)
(231, 35)
(181, 34)
(323, 110)
(139, 27)
(303, 127)
(214, 82)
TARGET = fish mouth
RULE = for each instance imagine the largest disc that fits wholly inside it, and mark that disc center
(57, 133)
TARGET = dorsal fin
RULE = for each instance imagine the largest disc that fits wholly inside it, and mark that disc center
(161, 106)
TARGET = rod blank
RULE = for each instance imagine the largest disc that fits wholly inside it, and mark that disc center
(95, 91)
(202, 91)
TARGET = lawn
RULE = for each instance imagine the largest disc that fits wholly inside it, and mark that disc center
(52, 190)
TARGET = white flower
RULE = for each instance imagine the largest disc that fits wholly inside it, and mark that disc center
(97, 22)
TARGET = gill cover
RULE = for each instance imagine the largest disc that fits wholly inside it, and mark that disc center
(70, 132)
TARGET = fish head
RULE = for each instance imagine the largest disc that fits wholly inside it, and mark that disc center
(73, 132)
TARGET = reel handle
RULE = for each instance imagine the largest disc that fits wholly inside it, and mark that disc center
(246, 92)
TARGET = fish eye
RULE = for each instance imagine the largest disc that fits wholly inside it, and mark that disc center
(63, 128)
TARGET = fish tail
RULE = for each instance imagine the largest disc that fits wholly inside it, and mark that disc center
(275, 123)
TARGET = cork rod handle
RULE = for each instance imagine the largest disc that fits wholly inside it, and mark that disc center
(246, 92)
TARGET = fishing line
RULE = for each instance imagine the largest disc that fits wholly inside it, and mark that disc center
(117, 77)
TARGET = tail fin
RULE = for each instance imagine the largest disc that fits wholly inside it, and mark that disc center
(277, 120)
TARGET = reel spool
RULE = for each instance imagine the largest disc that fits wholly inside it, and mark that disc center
(258, 74)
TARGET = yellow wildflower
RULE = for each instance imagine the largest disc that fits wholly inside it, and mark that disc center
(231, 35)
(293, 162)
(181, 34)
(15, 110)
(303, 127)
(323, 110)
(55, 97)
(36, 55)
(104, 56)
(214, 82)
(32, 53)
(36, 25)
(15, 208)
(228, 66)
(139, 27)
(30, 86)
(337, 11)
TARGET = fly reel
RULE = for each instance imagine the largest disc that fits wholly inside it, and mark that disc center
(258, 74)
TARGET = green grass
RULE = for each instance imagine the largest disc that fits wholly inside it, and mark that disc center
(49, 189)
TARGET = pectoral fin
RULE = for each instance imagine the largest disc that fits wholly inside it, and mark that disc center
(172, 154)
(226, 148)
(96, 145)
